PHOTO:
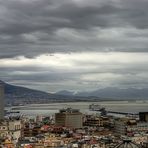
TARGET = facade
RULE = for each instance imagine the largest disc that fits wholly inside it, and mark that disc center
(138, 128)
(1, 100)
(123, 126)
(10, 129)
(3, 129)
(31, 131)
(120, 126)
(69, 118)
(93, 121)
(15, 129)
(130, 127)
(143, 116)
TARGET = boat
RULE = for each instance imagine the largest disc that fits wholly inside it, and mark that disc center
(95, 107)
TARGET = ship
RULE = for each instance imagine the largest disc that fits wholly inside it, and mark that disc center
(95, 107)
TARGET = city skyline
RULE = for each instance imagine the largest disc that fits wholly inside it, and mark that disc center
(54, 45)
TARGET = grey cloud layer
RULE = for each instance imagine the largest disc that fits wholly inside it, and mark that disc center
(77, 71)
(33, 27)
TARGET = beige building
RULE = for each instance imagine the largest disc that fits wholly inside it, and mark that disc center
(11, 129)
(3, 129)
(1, 100)
(69, 118)
(91, 120)
(15, 129)
(122, 123)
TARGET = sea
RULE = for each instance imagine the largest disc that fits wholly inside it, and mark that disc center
(32, 110)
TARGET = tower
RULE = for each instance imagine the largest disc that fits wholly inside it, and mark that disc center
(1, 100)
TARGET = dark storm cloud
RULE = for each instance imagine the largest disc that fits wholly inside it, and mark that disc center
(34, 27)
(137, 14)
(47, 15)
(67, 43)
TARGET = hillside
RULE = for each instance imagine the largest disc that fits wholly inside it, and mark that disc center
(16, 95)
(20, 95)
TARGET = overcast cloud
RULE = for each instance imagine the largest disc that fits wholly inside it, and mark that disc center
(74, 44)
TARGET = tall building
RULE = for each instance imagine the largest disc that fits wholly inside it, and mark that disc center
(143, 116)
(1, 100)
(69, 118)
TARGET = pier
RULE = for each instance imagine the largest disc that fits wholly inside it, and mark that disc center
(94, 107)
(121, 113)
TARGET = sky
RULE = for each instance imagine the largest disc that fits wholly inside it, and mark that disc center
(76, 45)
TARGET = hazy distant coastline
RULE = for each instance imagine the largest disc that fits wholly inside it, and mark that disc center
(16, 95)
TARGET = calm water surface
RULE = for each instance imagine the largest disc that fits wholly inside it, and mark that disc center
(52, 108)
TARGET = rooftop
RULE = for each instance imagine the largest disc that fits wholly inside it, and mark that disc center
(127, 144)
(69, 110)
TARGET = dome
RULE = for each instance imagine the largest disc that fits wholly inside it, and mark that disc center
(127, 144)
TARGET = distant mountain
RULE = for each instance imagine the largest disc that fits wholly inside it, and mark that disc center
(117, 93)
(114, 93)
(21, 95)
(65, 92)
(16, 95)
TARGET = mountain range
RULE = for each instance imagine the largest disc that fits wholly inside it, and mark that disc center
(15, 95)
(111, 93)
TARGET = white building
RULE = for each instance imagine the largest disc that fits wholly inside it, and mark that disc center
(14, 127)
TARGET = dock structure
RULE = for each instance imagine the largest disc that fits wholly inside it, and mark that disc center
(97, 107)
(122, 113)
